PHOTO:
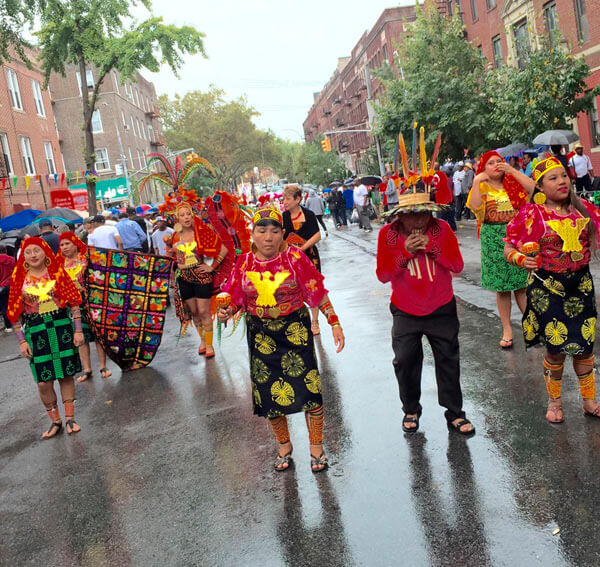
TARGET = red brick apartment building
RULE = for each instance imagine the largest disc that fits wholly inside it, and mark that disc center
(505, 30)
(29, 144)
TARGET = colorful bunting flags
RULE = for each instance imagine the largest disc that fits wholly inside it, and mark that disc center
(27, 180)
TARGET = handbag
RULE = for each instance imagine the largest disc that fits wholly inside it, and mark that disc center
(372, 213)
(354, 218)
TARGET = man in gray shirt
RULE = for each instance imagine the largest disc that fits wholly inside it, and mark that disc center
(466, 184)
(391, 192)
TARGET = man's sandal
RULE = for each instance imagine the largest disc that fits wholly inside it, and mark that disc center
(87, 374)
(321, 462)
(105, 372)
(53, 430)
(283, 460)
(209, 353)
(405, 420)
(461, 423)
(595, 413)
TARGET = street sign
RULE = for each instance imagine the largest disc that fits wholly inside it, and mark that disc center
(108, 189)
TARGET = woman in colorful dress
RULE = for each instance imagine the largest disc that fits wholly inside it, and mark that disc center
(497, 194)
(553, 237)
(40, 294)
(198, 251)
(73, 254)
(272, 284)
(301, 229)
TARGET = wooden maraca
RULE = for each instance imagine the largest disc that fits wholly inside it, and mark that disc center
(223, 300)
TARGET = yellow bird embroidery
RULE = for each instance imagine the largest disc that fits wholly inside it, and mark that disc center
(73, 271)
(267, 284)
(188, 249)
(569, 234)
(42, 290)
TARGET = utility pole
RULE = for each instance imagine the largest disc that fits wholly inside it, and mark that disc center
(124, 162)
(371, 115)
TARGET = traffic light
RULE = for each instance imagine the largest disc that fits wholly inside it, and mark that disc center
(326, 144)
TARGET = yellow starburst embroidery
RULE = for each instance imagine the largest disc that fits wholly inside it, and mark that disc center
(292, 364)
(568, 233)
(313, 382)
(256, 395)
(297, 334)
(259, 370)
(588, 330)
(530, 326)
(282, 393)
(586, 285)
(266, 284)
(264, 344)
(556, 332)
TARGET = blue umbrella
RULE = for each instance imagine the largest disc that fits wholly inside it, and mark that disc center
(18, 220)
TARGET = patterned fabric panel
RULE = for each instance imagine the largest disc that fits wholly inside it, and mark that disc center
(127, 301)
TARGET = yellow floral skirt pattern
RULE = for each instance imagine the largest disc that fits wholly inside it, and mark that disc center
(561, 312)
(283, 366)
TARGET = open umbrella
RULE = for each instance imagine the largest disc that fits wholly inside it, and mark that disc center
(141, 209)
(18, 220)
(556, 138)
(515, 149)
(335, 183)
(371, 180)
(60, 214)
(34, 228)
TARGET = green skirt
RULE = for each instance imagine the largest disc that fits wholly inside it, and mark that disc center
(283, 367)
(50, 337)
(496, 273)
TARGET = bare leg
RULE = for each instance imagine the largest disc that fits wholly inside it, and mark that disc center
(191, 304)
(48, 397)
(86, 362)
(203, 309)
(106, 373)
(521, 299)
(314, 314)
(503, 300)
(67, 393)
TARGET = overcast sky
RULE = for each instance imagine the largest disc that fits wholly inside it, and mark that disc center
(276, 52)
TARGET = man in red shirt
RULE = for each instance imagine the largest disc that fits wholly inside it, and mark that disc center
(7, 265)
(418, 253)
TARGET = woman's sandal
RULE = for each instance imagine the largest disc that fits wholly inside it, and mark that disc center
(105, 372)
(283, 460)
(406, 419)
(87, 374)
(554, 413)
(595, 413)
(53, 426)
(506, 344)
(201, 350)
(70, 426)
(457, 427)
(209, 354)
(321, 462)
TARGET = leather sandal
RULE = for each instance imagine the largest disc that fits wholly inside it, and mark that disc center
(70, 426)
(595, 413)
(320, 461)
(506, 344)
(87, 374)
(105, 373)
(53, 426)
(554, 413)
(283, 460)
(457, 427)
(406, 419)
(209, 353)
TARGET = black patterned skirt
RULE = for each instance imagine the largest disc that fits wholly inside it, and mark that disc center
(561, 312)
(283, 366)
(50, 337)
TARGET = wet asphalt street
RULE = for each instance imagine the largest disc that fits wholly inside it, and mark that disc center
(172, 468)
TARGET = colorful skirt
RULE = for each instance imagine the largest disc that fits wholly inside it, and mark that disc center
(561, 312)
(50, 337)
(496, 273)
(283, 366)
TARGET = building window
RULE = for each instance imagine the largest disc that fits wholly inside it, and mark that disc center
(550, 17)
(132, 127)
(385, 54)
(143, 103)
(102, 161)
(6, 153)
(123, 119)
(150, 134)
(474, 10)
(37, 98)
(490, 4)
(497, 50)
(130, 159)
(49, 158)
(139, 128)
(522, 46)
(582, 23)
(27, 156)
(89, 79)
(116, 81)
(96, 122)
(13, 87)
(143, 131)
(594, 125)
(140, 159)
(137, 98)
(460, 12)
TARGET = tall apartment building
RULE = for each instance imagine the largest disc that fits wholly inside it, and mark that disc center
(507, 30)
(342, 103)
(126, 109)
(29, 146)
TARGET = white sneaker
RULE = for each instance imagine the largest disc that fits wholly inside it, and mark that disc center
(8, 330)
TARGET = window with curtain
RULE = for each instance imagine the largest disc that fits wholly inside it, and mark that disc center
(49, 158)
(522, 45)
(27, 156)
(37, 98)
(497, 50)
(13, 89)
(96, 122)
(102, 161)
(6, 153)
(581, 19)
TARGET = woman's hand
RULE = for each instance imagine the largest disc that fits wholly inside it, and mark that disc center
(415, 242)
(25, 350)
(78, 339)
(505, 168)
(224, 314)
(531, 263)
(338, 337)
(482, 177)
(205, 268)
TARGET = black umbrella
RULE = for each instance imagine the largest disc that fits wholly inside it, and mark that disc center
(370, 180)
(61, 214)
(556, 138)
(14, 233)
(335, 183)
(514, 149)
(34, 228)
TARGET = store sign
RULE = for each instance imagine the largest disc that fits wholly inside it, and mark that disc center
(108, 189)
(75, 200)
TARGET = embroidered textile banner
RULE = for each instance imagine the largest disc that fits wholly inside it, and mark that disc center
(127, 301)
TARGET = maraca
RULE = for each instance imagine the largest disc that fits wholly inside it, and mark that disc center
(530, 248)
(223, 300)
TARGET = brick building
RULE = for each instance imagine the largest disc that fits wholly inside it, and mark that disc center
(29, 145)
(128, 109)
(506, 30)
(342, 103)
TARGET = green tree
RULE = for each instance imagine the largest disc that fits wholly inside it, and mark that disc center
(546, 94)
(441, 85)
(318, 167)
(95, 32)
(15, 15)
(221, 131)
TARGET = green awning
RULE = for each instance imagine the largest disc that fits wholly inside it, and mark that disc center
(110, 189)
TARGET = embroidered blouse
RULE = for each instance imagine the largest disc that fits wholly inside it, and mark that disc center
(563, 239)
(276, 287)
(76, 267)
(39, 295)
(190, 253)
(421, 282)
(496, 207)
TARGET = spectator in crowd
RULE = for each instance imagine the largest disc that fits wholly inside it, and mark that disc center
(104, 235)
(48, 234)
(466, 185)
(7, 265)
(557, 153)
(361, 202)
(158, 236)
(340, 205)
(584, 171)
(315, 204)
(526, 163)
(457, 179)
(141, 221)
(513, 161)
(348, 195)
(132, 236)
(391, 192)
